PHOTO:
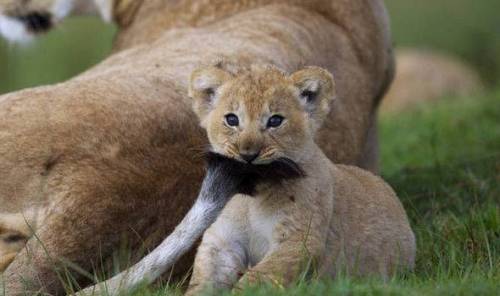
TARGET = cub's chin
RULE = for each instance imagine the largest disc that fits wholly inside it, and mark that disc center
(23, 29)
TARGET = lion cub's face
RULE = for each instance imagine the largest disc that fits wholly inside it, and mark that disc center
(262, 114)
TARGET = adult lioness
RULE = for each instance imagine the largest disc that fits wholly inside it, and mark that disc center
(109, 154)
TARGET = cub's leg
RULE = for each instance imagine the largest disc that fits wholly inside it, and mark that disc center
(298, 243)
(284, 265)
(222, 255)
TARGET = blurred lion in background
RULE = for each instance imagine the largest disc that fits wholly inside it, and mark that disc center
(21, 20)
(426, 76)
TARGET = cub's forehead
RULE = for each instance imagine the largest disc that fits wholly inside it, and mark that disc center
(260, 88)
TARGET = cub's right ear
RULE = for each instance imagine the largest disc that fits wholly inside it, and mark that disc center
(317, 90)
(203, 89)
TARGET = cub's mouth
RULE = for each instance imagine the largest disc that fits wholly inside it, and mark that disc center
(253, 174)
(36, 22)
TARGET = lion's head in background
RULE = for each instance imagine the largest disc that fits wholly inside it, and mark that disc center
(21, 20)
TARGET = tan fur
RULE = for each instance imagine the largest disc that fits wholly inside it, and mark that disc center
(113, 153)
(341, 217)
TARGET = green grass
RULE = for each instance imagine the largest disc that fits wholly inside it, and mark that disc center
(455, 131)
(444, 162)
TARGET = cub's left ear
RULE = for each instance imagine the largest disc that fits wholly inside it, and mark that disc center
(317, 90)
(203, 87)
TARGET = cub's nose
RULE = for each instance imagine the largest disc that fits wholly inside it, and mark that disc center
(249, 157)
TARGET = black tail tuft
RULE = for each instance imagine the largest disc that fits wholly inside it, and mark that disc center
(249, 175)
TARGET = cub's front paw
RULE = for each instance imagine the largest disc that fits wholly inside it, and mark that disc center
(194, 289)
(254, 278)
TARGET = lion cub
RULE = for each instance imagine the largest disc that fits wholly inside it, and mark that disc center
(334, 218)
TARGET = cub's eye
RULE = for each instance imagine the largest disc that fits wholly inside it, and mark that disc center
(275, 121)
(232, 120)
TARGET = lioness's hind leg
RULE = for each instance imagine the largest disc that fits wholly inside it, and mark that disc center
(14, 232)
(83, 227)
(6, 260)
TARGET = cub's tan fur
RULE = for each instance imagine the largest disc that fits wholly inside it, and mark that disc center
(338, 216)
(112, 153)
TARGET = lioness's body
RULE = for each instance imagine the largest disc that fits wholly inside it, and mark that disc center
(114, 150)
